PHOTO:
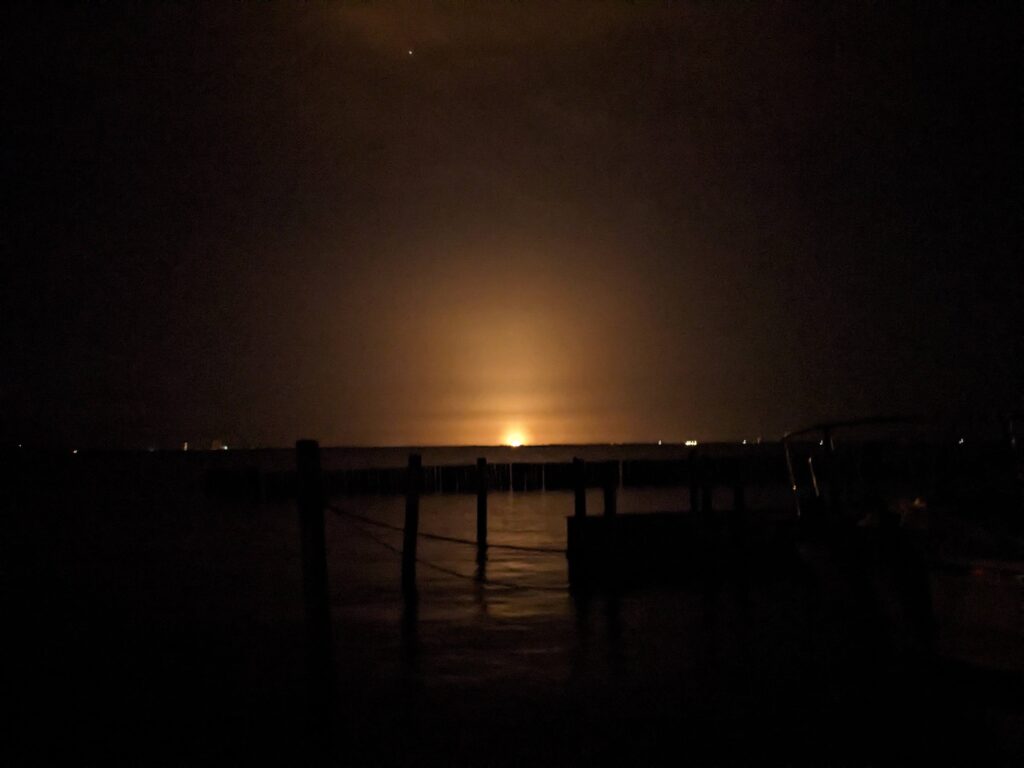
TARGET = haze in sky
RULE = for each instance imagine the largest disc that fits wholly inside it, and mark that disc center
(438, 223)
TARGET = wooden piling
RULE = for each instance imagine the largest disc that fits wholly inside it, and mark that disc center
(610, 486)
(579, 480)
(707, 486)
(739, 496)
(481, 510)
(314, 576)
(413, 483)
(696, 480)
(739, 521)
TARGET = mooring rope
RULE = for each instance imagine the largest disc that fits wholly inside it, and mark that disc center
(442, 569)
(439, 537)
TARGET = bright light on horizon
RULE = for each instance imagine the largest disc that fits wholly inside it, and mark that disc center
(514, 438)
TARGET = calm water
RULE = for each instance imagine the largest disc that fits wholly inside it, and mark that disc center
(137, 534)
(461, 623)
(132, 584)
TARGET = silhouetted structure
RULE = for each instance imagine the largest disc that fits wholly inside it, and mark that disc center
(319, 671)
(414, 480)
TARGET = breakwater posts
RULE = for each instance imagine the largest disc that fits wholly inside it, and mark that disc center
(251, 484)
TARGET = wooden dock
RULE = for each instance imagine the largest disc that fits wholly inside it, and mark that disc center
(677, 547)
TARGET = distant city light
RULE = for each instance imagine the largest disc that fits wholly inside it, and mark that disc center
(225, 447)
(691, 442)
(659, 442)
(960, 441)
(410, 51)
(821, 442)
(744, 442)
(75, 451)
(184, 446)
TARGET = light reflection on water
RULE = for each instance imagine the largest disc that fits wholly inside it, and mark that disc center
(534, 519)
(362, 567)
(467, 632)
(365, 574)
(462, 631)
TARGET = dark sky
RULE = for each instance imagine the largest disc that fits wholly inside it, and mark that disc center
(586, 222)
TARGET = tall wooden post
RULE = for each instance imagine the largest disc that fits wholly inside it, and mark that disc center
(579, 480)
(707, 485)
(314, 577)
(696, 481)
(413, 481)
(610, 485)
(481, 510)
(739, 521)
(739, 496)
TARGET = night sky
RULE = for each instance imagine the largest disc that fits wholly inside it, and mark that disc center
(435, 223)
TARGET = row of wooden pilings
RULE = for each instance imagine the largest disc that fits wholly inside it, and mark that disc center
(312, 501)
(761, 465)
(311, 505)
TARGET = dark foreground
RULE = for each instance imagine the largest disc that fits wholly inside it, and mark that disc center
(158, 628)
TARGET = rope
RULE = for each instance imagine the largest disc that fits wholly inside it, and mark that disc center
(376, 538)
(450, 571)
(367, 520)
(439, 537)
